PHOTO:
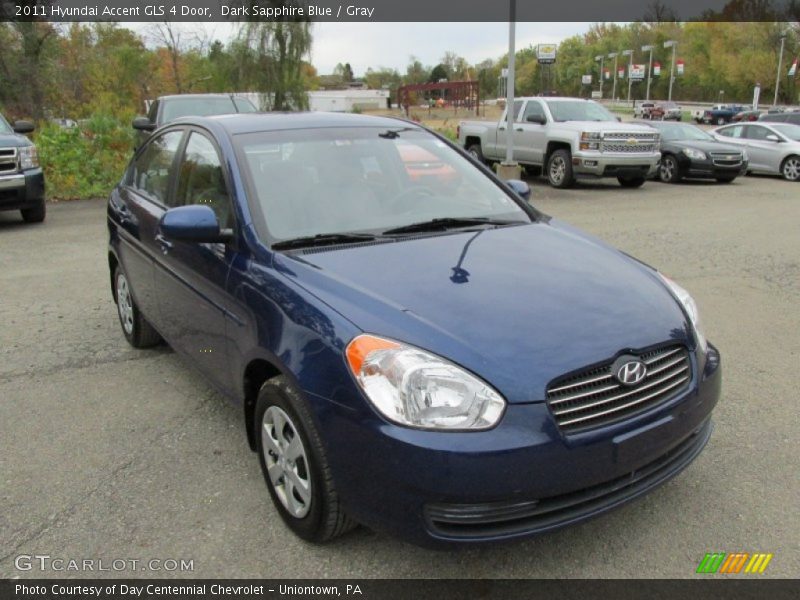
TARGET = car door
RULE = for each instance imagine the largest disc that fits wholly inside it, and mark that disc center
(732, 134)
(191, 277)
(502, 135)
(764, 153)
(137, 207)
(530, 138)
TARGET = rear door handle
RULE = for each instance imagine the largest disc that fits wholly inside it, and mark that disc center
(165, 244)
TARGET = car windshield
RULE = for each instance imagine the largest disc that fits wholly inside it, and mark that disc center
(671, 133)
(4, 126)
(578, 110)
(204, 106)
(787, 129)
(311, 182)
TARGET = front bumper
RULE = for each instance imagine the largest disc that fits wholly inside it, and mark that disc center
(22, 190)
(522, 478)
(603, 164)
(707, 169)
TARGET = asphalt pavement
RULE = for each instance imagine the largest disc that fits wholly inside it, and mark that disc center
(110, 453)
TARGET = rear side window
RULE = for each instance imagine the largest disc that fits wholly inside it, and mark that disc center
(201, 180)
(735, 131)
(151, 171)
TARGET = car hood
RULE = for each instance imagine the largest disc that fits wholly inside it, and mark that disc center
(705, 146)
(13, 140)
(529, 304)
(604, 126)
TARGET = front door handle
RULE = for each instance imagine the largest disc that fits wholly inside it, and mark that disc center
(501, 129)
(519, 129)
(165, 244)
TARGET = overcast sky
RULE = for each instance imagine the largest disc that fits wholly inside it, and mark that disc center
(391, 44)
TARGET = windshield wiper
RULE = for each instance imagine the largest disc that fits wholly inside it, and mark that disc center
(446, 223)
(324, 239)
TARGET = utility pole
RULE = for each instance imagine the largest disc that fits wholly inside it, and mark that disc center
(509, 169)
(671, 44)
(614, 87)
(629, 53)
(649, 48)
(778, 76)
(600, 57)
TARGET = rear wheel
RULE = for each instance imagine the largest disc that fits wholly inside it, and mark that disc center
(668, 170)
(790, 169)
(631, 182)
(559, 169)
(295, 466)
(36, 214)
(475, 151)
(135, 328)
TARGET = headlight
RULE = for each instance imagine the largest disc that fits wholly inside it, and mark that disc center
(690, 306)
(590, 140)
(415, 388)
(28, 157)
(695, 154)
(745, 158)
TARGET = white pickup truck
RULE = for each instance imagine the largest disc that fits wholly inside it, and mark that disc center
(569, 138)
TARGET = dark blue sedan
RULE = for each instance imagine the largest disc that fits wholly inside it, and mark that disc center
(414, 347)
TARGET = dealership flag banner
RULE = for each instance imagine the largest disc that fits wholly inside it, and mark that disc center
(679, 64)
(637, 72)
(607, 73)
(656, 69)
(793, 68)
(621, 73)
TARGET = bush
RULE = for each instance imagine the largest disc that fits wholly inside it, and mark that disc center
(85, 161)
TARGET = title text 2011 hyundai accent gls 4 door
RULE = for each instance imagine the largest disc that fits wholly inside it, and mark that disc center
(431, 357)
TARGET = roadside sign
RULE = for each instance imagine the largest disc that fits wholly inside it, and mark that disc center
(596, 94)
(637, 72)
(546, 53)
(586, 79)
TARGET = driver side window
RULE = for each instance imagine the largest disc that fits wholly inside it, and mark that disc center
(532, 109)
(201, 181)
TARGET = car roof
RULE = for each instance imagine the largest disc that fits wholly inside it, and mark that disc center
(240, 123)
(179, 96)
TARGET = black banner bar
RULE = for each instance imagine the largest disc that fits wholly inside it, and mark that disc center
(396, 11)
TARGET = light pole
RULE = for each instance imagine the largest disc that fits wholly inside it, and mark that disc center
(614, 87)
(629, 53)
(778, 76)
(671, 44)
(509, 169)
(600, 58)
(649, 48)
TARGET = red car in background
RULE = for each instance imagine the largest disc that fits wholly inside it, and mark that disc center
(424, 167)
(746, 115)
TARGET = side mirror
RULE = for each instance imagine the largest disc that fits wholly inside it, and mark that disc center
(521, 188)
(23, 127)
(540, 119)
(619, 119)
(194, 223)
(143, 124)
(772, 138)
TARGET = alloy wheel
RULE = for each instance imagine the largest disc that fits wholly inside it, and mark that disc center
(286, 460)
(667, 170)
(791, 168)
(125, 304)
(558, 170)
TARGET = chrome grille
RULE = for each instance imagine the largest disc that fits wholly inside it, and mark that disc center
(8, 160)
(622, 136)
(726, 159)
(594, 397)
(625, 147)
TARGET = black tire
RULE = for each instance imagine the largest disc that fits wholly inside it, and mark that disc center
(135, 328)
(475, 151)
(36, 214)
(323, 518)
(790, 168)
(559, 169)
(669, 171)
(725, 178)
(631, 182)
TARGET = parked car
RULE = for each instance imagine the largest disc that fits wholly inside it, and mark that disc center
(666, 111)
(571, 138)
(773, 148)
(688, 151)
(783, 117)
(746, 116)
(643, 110)
(424, 167)
(719, 113)
(168, 108)
(21, 177)
(444, 365)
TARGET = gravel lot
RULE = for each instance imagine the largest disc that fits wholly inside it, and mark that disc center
(108, 452)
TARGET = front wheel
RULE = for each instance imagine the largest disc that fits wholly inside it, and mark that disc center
(559, 169)
(790, 169)
(669, 171)
(295, 466)
(35, 214)
(631, 182)
(720, 121)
